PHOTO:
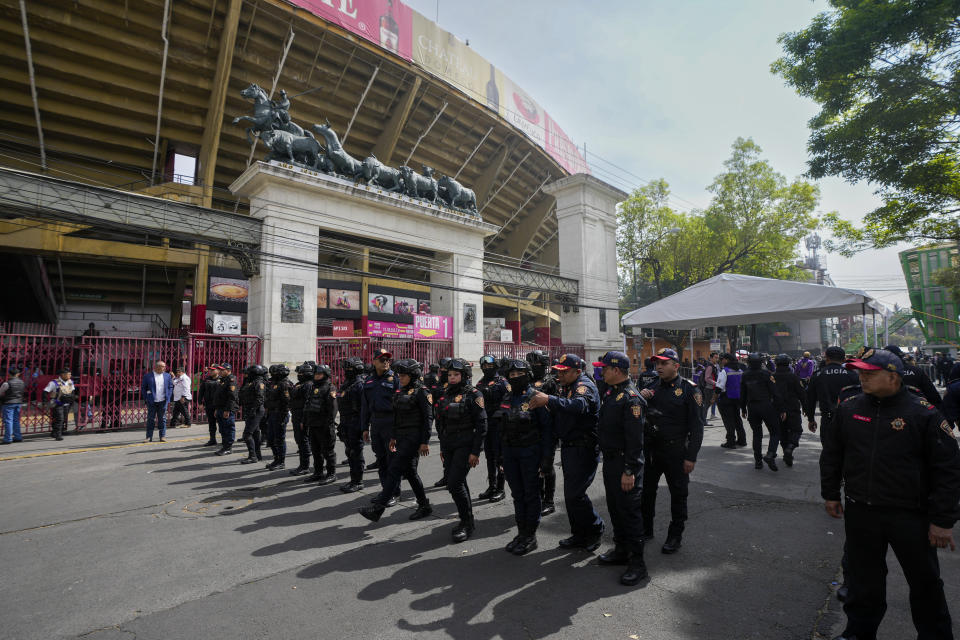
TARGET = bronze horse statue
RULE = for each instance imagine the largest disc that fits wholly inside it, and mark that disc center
(267, 116)
(342, 161)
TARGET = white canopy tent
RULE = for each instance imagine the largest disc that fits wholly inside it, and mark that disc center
(730, 298)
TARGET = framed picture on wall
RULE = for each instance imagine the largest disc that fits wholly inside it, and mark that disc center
(379, 303)
(404, 306)
(321, 298)
(343, 299)
(469, 318)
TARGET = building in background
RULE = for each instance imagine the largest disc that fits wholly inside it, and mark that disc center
(934, 308)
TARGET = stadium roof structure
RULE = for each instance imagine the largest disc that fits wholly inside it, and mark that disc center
(734, 299)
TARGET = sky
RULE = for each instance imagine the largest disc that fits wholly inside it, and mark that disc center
(662, 90)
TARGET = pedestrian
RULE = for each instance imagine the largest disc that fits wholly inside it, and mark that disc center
(803, 369)
(545, 382)
(277, 404)
(298, 399)
(914, 376)
(227, 403)
(251, 396)
(462, 427)
(493, 387)
(409, 439)
(648, 375)
(728, 400)
(708, 384)
(376, 414)
(761, 404)
(206, 397)
(672, 438)
(319, 415)
(181, 398)
(575, 409)
(349, 397)
(156, 389)
(792, 395)
(91, 331)
(621, 441)
(825, 386)
(526, 436)
(895, 458)
(11, 394)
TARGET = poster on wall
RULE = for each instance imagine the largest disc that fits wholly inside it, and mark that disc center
(423, 306)
(379, 303)
(226, 325)
(404, 306)
(343, 328)
(321, 298)
(229, 289)
(344, 299)
(382, 329)
(432, 327)
(291, 303)
(492, 328)
(469, 318)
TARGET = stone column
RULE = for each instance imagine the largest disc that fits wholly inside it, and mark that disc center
(450, 299)
(587, 236)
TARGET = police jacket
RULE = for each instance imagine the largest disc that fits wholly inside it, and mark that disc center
(207, 394)
(252, 393)
(897, 451)
(677, 404)
(299, 393)
(462, 418)
(759, 387)
(320, 407)
(547, 384)
(575, 409)
(790, 389)
(915, 377)
(226, 398)
(278, 395)
(376, 408)
(348, 402)
(646, 378)
(493, 389)
(824, 388)
(951, 402)
(412, 413)
(13, 393)
(621, 425)
(521, 426)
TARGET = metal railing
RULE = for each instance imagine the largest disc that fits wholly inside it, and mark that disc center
(511, 350)
(332, 351)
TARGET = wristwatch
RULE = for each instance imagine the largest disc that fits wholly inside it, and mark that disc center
(628, 472)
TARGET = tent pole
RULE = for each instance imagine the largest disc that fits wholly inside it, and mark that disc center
(886, 328)
(873, 312)
(691, 353)
(863, 318)
(653, 345)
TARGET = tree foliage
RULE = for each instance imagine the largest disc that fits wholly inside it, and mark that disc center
(886, 74)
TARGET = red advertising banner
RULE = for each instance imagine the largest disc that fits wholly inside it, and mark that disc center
(561, 148)
(432, 327)
(383, 22)
(343, 328)
(381, 329)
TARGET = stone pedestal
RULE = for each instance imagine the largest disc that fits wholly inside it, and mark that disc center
(587, 238)
(297, 204)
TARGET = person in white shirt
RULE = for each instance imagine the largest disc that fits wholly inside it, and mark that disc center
(181, 398)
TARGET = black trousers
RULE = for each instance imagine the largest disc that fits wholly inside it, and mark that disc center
(380, 443)
(664, 458)
(493, 452)
(791, 429)
(757, 415)
(323, 439)
(300, 437)
(403, 466)
(212, 421)
(579, 464)
(521, 465)
(456, 455)
(253, 416)
(58, 419)
(180, 409)
(625, 506)
(870, 530)
(548, 482)
(352, 439)
(732, 421)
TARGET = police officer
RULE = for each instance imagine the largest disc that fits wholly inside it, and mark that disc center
(825, 385)
(278, 404)
(227, 403)
(728, 401)
(649, 374)
(251, 396)
(437, 393)
(575, 410)
(792, 395)
(621, 440)
(432, 379)
(761, 404)
(207, 398)
(409, 438)
(61, 393)
(319, 415)
(672, 438)
(493, 388)
(349, 397)
(545, 382)
(376, 413)
(873, 448)
(951, 398)
(298, 399)
(462, 427)
(915, 377)
(526, 435)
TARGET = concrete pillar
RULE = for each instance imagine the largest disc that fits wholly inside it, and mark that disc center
(451, 298)
(587, 220)
(541, 330)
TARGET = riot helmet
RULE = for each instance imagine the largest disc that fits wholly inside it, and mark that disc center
(519, 375)
(782, 360)
(407, 366)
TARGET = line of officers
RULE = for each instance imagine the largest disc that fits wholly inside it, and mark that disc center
(516, 415)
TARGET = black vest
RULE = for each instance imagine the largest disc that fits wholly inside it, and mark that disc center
(14, 394)
(406, 409)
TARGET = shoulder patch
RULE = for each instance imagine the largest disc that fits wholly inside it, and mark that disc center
(619, 397)
(582, 390)
(260, 386)
(479, 400)
(946, 428)
(637, 411)
(389, 378)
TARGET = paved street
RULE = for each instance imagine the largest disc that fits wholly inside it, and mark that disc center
(164, 541)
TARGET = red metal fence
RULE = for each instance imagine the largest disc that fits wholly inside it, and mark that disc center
(108, 371)
(511, 350)
(331, 351)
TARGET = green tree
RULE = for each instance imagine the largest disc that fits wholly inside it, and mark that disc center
(886, 74)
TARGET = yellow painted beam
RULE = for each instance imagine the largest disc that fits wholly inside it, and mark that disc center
(525, 307)
(397, 284)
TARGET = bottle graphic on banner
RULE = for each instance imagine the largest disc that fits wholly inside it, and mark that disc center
(493, 94)
(389, 30)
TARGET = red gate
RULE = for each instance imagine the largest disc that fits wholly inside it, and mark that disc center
(511, 350)
(39, 358)
(331, 351)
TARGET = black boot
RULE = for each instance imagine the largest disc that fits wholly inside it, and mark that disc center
(771, 462)
(758, 463)
(618, 555)
(304, 467)
(636, 569)
(212, 442)
(372, 513)
(331, 475)
(423, 510)
(674, 538)
(224, 451)
(549, 489)
(463, 531)
(491, 489)
(442, 482)
(498, 494)
(647, 534)
(788, 455)
(527, 543)
(351, 487)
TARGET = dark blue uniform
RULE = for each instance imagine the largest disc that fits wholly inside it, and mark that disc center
(761, 399)
(462, 427)
(277, 405)
(349, 400)
(298, 398)
(251, 396)
(227, 404)
(493, 388)
(621, 440)
(412, 422)
(376, 416)
(574, 412)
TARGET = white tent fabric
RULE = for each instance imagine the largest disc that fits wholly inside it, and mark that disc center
(731, 298)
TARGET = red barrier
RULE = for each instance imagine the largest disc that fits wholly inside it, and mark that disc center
(510, 350)
(39, 357)
(331, 351)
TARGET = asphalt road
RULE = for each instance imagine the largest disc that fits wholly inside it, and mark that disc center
(119, 539)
